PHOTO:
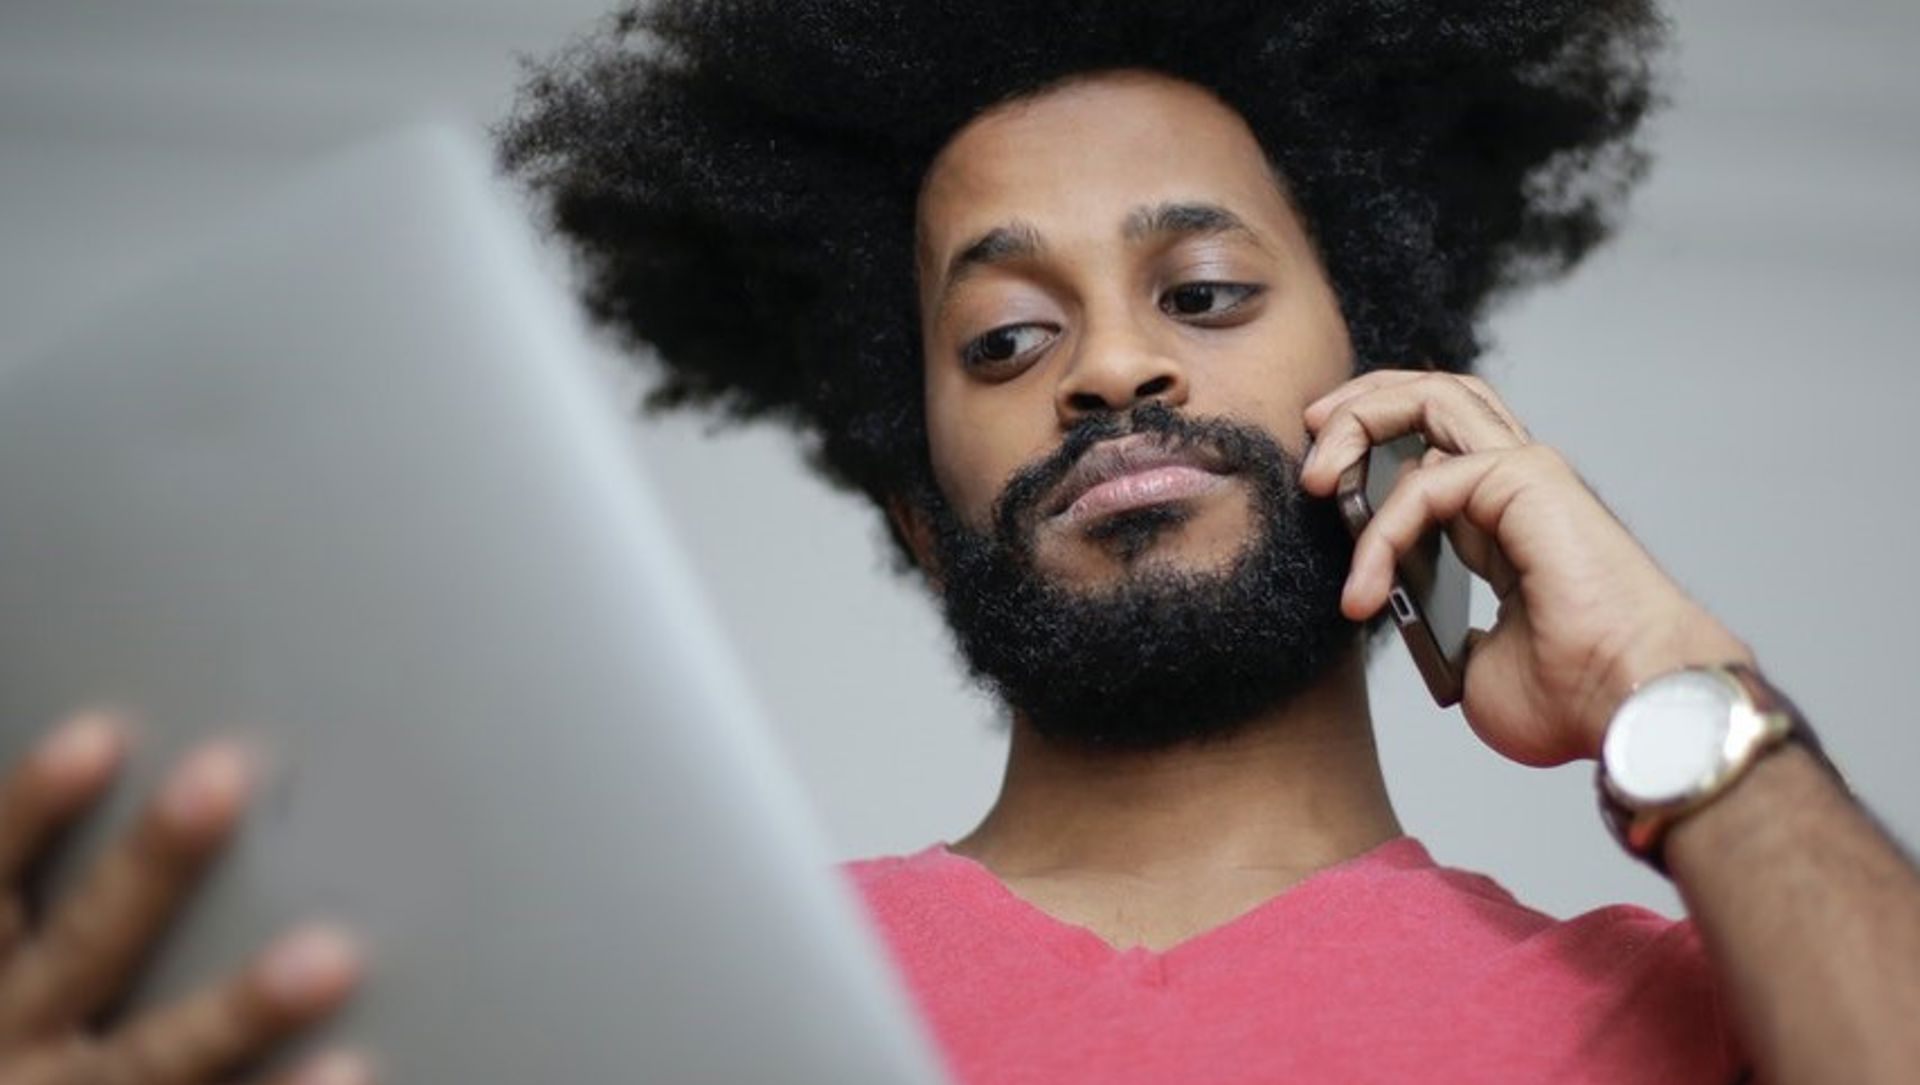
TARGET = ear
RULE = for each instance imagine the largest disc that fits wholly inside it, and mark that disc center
(910, 526)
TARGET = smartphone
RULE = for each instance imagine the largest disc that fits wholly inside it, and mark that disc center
(1431, 587)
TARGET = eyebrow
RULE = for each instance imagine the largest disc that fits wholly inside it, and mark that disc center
(1002, 244)
(1183, 219)
(1019, 240)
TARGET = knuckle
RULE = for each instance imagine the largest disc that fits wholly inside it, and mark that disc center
(1546, 457)
(1413, 479)
(1404, 512)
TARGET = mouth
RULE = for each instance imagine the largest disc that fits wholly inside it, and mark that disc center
(1133, 472)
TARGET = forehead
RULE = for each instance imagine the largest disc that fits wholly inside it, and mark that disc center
(1087, 154)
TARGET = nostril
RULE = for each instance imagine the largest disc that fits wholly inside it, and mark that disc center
(1154, 387)
(1087, 402)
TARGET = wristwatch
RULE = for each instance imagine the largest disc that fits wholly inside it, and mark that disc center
(1680, 740)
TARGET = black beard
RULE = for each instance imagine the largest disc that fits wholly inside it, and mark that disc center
(1163, 658)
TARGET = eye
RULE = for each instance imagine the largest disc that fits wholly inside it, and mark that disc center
(1003, 345)
(1207, 299)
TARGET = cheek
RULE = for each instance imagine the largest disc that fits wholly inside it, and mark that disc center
(1269, 391)
(967, 445)
(1332, 351)
(1270, 383)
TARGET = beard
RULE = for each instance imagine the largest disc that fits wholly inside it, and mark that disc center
(1164, 657)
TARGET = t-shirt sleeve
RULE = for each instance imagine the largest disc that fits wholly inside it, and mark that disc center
(1653, 1002)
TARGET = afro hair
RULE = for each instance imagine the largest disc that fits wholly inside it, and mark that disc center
(738, 178)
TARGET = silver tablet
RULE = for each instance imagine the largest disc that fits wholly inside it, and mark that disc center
(344, 482)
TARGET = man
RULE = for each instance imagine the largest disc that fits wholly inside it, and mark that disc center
(1068, 290)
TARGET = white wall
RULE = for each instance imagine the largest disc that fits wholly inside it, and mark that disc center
(1733, 377)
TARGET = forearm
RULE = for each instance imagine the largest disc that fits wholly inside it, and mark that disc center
(1812, 917)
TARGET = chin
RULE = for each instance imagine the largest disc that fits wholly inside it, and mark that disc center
(1175, 537)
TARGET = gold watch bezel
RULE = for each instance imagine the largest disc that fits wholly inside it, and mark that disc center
(1753, 729)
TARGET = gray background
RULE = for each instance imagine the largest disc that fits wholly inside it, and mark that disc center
(1734, 376)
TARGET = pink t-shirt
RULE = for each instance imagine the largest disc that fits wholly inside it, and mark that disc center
(1384, 968)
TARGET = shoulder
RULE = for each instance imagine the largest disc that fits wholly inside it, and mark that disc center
(932, 907)
(883, 874)
(897, 888)
(1606, 946)
(1635, 988)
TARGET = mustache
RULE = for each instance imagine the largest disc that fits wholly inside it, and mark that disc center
(1239, 448)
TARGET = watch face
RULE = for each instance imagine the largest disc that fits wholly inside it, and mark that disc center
(1669, 738)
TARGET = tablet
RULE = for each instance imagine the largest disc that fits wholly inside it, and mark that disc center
(344, 482)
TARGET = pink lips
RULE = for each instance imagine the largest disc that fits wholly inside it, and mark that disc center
(1141, 488)
(1132, 472)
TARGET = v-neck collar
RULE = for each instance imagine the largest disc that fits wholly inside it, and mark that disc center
(1082, 946)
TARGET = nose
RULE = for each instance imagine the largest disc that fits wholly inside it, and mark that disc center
(1115, 370)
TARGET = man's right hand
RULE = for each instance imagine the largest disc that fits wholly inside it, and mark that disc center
(62, 971)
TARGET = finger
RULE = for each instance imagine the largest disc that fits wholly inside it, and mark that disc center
(1374, 380)
(1481, 553)
(50, 788)
(299, 980)
(99, 934)
(1439, 407)
(1431, 403)
(1425, 497)
(332, 1068)
(1485, 393)
(1317, 411)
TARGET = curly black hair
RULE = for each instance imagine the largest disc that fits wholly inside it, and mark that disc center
(739, 177)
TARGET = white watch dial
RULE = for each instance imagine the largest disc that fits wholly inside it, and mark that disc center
(1669, 738)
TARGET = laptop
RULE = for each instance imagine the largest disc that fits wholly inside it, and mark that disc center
(345, 482)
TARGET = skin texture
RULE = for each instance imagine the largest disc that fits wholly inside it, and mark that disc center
(1810, 913)
(1093, 299)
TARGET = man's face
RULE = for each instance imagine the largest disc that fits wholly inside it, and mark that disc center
(1123, 320)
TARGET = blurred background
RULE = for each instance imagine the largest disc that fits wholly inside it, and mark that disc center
(1735, 376)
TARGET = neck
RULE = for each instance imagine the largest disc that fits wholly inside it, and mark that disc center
(1297, 790)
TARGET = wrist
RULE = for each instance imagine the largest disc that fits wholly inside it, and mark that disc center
(1791, 778)
(1693, 638)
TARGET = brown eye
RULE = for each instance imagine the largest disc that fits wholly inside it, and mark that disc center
(1206, 299)
(1006, 344)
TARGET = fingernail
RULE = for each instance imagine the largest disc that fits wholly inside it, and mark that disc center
(212, 779)
(81, 744)
(336, 1068)
(314, 962)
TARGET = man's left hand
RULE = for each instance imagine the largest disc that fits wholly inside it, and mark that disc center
(1585, 613)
